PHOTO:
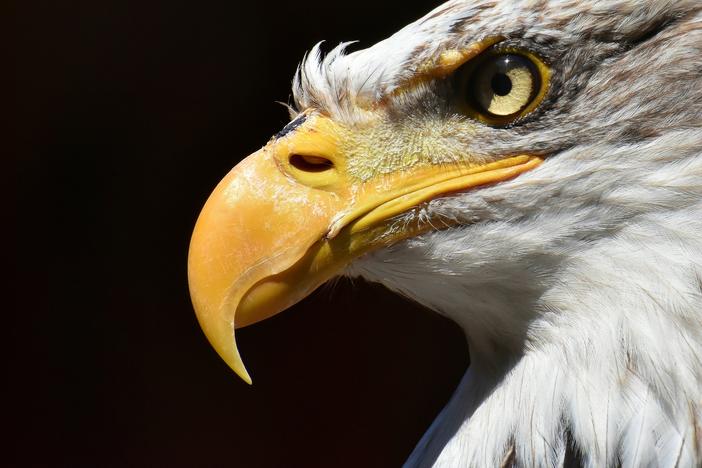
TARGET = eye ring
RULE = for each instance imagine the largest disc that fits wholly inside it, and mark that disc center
(502, 85)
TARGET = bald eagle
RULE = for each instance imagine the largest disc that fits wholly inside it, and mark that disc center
(531, 169)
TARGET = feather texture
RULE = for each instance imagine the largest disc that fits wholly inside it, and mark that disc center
(579, 284)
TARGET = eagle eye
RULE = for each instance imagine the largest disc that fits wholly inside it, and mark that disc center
(499, 87)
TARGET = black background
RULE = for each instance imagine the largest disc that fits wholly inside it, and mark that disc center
(128, 113)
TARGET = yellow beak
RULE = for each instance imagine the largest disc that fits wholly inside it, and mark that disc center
(294, 214)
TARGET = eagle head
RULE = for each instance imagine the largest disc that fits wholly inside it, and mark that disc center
(531, 170)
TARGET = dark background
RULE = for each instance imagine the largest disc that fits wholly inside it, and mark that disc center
(127, 114)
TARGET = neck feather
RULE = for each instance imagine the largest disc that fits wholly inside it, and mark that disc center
(599, 357)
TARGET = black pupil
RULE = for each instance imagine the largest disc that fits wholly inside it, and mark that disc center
(501, 84)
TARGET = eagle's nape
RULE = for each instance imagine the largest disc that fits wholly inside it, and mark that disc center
(558, 221)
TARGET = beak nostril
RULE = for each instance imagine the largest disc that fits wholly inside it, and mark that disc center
(310, 163)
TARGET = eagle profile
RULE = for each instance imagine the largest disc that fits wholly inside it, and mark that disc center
(530, 169)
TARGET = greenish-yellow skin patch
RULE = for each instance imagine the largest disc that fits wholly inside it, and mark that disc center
(383, 147)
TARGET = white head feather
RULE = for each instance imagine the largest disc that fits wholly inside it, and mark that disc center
(579, 284)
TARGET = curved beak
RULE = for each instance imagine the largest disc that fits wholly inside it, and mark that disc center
(294, 214)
